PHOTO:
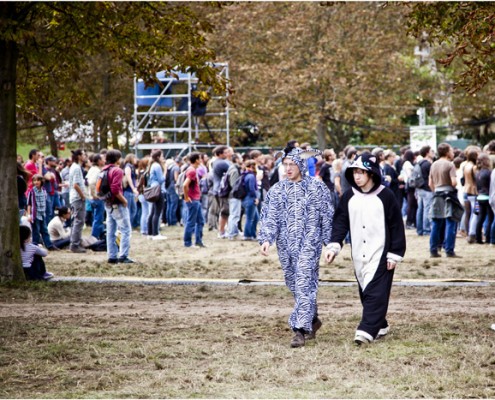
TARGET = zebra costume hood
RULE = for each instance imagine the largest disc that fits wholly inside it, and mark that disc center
(300, 158)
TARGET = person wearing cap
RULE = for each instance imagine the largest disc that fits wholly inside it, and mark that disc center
(297, 215)
(370, 213)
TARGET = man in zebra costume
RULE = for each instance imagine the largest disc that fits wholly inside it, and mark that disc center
(297, 215)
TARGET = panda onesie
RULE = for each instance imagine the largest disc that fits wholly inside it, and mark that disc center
(297, 216)
(376, 228)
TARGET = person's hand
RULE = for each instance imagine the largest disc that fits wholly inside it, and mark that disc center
(135, 191)
(187, 199)
(391, 264)
(264, 248)
(329, 256)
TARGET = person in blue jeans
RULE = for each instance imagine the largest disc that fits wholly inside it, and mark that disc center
(192, 198)
(130, 186)
(250, 202)
(98, 205)
(173, 171)
(442, 181)
(36, 211)
(117, 213)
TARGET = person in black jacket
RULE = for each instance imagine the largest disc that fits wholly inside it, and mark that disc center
(370, 212)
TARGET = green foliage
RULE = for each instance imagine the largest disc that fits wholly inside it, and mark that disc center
(466, 30)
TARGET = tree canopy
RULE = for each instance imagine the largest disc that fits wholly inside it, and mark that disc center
(466, 32)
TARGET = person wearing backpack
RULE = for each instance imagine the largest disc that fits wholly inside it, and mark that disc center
(235, 205)
(424, 193)
(250, 201)
(117, 211)
(156, 177)
(219, 207)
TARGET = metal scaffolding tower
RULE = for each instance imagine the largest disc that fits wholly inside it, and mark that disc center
(173, 119)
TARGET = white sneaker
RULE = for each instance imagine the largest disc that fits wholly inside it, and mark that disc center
(382, 332)
(360, 340)
(158, 237)
(493, 327)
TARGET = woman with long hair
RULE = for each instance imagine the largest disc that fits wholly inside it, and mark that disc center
(412, 203)
(145, 205)
(156, 177)
(483, 174)
(22, 179)
(470, 191)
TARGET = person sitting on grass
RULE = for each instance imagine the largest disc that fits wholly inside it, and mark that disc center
(59, 233)
(32, 257)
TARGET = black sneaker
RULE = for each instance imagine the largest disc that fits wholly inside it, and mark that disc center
(78, 250)
(53, 248)
(126, 260)
(453, 255)
(113, 260)
(435, 254)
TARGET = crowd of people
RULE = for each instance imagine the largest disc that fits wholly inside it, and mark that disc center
(57, 197)
(317, 200)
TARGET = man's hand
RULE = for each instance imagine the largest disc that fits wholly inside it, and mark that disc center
(187, 199)
(264, 248)
(329, 256)
(391, 264)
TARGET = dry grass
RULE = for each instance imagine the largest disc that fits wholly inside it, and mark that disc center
(75, 340)
(108, 341)
(241, 260)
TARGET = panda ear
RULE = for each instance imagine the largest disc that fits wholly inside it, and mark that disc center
(309, 153)
(373, 159)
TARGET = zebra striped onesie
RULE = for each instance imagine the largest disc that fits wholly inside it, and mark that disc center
(297, 216)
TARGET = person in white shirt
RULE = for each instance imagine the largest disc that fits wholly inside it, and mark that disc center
(77, 198)
(98, 205)
(59, 234)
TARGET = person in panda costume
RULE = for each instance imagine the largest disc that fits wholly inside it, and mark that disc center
(371, 213)
(297, 215)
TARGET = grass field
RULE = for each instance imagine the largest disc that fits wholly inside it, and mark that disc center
(81, 340)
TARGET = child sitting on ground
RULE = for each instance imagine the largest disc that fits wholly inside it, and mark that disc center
(32, 257)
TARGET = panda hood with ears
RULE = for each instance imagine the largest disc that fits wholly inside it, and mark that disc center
(367, 162)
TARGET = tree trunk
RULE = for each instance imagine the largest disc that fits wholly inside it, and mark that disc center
(10, 258)
(321, 127)
(321, 133)
(52, 140)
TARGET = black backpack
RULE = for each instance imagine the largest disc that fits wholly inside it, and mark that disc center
(416, 179)
(103, 186)
(224, 189)
(239, 190)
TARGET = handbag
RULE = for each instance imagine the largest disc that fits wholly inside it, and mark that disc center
(152, 193)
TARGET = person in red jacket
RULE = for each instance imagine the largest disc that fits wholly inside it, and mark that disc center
(117, 212)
